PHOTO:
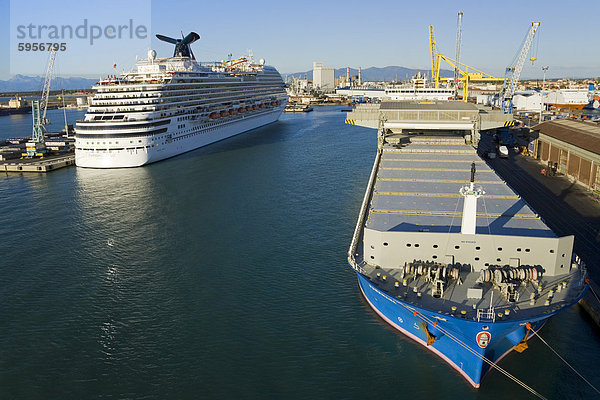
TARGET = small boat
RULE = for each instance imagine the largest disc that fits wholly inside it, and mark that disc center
(296, 108)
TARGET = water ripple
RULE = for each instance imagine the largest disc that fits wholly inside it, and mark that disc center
(218, 274)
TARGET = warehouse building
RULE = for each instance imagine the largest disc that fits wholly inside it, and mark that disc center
(574, 146)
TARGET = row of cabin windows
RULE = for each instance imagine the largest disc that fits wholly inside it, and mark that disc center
(435, 246)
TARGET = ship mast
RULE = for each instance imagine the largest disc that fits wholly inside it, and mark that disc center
(471, 194)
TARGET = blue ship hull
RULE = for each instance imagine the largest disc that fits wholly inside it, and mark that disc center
(456, 338)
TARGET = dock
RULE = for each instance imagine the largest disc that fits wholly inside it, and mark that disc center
(591, 303)
(39, 165)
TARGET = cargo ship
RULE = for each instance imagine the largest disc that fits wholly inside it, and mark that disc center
(168, 106)
(15, 106)
(446, 252)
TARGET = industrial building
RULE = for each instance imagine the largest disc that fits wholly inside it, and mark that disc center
(575, 148)
(323, 77)
(527, 101)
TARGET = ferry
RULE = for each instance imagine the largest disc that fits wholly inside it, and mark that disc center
(419, 89)
(567, 98)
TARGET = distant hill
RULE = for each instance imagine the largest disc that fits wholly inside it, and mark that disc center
(390, 73)
(21, 83)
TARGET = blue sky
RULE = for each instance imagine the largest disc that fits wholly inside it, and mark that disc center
(291, 35)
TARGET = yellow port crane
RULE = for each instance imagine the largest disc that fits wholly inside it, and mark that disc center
(467, 73)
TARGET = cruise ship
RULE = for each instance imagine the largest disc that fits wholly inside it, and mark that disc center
(444, 250)
(168, 106)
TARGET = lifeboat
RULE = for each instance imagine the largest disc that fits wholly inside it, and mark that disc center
(224, 113)
(262, 106)
(241, 110)
(233, 111)
(273, 103)
(255, 107)
(214, 115)
(248, 108)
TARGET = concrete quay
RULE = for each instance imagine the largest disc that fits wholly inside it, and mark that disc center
(39, 165)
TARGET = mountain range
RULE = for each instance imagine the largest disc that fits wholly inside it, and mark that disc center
(22, 83)
(375, 74)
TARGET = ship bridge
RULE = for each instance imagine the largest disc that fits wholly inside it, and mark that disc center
(429, 118)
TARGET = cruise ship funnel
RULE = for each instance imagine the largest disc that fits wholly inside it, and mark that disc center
(182, 46)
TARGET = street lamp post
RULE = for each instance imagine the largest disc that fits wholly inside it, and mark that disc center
(542, 95)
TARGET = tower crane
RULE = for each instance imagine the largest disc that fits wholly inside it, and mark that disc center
(513, 73)
(38, 110)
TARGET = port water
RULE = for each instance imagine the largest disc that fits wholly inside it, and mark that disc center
(19, 125)
(221, 274)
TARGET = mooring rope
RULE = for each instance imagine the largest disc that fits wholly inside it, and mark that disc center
(593, 292)
(565, 361)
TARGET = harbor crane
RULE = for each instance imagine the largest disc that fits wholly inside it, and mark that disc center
(513, 73)
(458, 46)
(36, 146)
(467, 73)
(434, 60)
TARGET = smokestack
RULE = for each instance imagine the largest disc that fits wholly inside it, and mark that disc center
(348, 76)
(359, 77)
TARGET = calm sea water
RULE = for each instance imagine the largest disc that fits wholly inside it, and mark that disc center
(20, 125)
(222, 274)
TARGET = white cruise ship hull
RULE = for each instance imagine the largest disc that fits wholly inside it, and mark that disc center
(148, 150)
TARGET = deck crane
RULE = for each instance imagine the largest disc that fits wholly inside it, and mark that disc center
(514, 73)
(458, 46)
(37, 147)
(466, 72)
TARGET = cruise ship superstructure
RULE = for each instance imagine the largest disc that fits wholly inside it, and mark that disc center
(444, 250)
(168, 106)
